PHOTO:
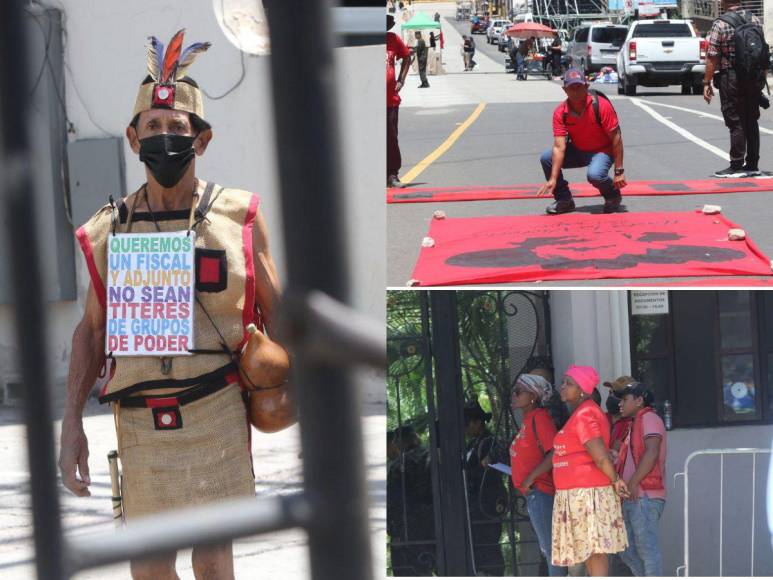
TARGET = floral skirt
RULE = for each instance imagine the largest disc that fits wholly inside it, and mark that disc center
(586, 521)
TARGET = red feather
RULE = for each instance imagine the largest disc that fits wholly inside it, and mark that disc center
(172, 56)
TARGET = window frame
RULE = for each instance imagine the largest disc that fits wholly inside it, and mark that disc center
(761, 348)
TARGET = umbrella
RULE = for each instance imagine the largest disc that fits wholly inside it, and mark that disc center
(530, 29)
(420, 21)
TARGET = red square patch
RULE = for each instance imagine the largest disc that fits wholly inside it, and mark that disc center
(167, 418)
(209, 270)
(163, 96)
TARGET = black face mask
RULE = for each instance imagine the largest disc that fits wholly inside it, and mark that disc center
(167, 156)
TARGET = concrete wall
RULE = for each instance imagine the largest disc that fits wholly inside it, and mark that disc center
(591, 327)
(105, 62)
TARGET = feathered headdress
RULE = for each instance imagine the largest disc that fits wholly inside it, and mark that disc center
(164, 87)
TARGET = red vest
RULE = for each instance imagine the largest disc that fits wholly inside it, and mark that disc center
(635, 440)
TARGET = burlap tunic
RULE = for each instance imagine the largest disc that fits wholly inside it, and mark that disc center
(208, 458)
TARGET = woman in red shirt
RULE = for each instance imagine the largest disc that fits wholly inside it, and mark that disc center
(587, 518)
(528, 451)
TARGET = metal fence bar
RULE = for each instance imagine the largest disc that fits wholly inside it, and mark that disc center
(721, 509)
(208, 524)
(754, 489)
(29, 312)
(685, 474)
(306, 123)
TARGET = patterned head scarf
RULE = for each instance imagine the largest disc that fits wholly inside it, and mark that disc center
(537, 385)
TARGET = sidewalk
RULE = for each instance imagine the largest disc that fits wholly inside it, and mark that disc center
(277, 471)
(488, 82)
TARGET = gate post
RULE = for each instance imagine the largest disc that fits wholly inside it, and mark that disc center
(446, 352)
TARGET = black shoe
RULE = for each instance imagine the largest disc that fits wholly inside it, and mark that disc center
(751, 171)
(394, 181)
(613, 205)
(560, 206)
(731, 172)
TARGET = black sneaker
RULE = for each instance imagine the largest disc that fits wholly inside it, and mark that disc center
(751, 171)
(731, 172)
(394, 181)
(613, 205)
(560, 206)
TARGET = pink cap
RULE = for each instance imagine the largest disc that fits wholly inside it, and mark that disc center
(586, 377)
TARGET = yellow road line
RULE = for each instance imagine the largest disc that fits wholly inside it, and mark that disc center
(446, 145)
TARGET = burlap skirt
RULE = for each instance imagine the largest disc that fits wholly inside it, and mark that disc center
(208, 459)
(586, 521)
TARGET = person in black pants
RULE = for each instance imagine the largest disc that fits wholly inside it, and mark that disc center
(739, 95)
(422, 54)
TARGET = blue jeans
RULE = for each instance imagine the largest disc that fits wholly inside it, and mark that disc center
(519, 60)
(598, 165)
(540, 508)
(641, 520)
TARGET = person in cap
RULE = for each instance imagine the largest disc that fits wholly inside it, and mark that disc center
(486, 494)
(587, 521)
(181, 422)
(642, 464)
(586, 133)
(620, 424)
(395, 50)
(531, 446)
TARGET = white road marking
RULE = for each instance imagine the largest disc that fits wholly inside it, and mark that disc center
(683, 132)
(696, 112)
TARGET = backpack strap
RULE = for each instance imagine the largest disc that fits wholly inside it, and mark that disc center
(536, 435)
(735, 18)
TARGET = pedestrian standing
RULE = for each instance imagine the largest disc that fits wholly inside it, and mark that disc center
(194, 448)
(736, 63)
(486, 495)
(396, 50)
(587, 520)
(555, 53)
(422, 56)
(432, 42)
(520, 62)
(642, 464)
(467, 52)
(533, 446)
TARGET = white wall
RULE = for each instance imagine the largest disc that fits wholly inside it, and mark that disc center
(105, 58)
(590, 328)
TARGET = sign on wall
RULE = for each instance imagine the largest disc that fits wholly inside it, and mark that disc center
(645, 302)
(150, 294)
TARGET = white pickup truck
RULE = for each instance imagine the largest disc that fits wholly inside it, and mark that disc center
(659, 53)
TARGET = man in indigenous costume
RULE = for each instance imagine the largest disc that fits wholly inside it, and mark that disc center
(182, 422)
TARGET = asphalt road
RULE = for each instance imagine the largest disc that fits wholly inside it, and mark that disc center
(503, 145)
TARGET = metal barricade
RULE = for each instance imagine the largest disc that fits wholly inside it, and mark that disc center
(686, 474)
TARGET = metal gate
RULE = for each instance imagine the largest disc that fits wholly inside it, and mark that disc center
(445, 348)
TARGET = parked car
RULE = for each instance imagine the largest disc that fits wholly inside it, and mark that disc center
(502, 38)
(659, 53)
(594, 46)
(495, 28)
(479, 25)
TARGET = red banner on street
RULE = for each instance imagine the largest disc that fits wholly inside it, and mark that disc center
(635, 188)
(577, 246)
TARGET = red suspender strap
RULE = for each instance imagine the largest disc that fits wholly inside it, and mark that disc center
(88, 253)
(249, 266)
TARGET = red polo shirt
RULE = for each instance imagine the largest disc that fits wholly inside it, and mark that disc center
(525, 454)
(573, 467)
(585, 132)
(396, 49)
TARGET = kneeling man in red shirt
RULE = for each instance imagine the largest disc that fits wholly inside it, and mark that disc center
(586, 134)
